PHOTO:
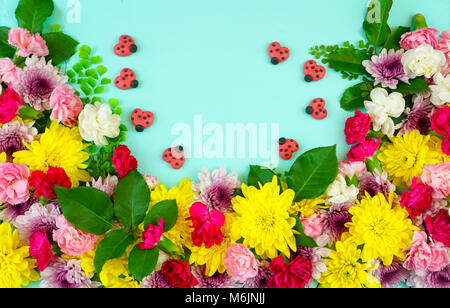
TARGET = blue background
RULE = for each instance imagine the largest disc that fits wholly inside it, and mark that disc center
(209, 58)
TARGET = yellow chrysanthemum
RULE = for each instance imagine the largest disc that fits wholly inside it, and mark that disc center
(404, 158)
(180, 234)
(436, 145)
(115, 274)
(307, 208)
(263, 219)
(16, 268)
(58, 146)
(345, 269)
(213, 257)
(2, 157)
(384, 228)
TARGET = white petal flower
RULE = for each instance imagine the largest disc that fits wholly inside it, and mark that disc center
(97, 122)
(423, 61)
(441, 91)
(339, 192)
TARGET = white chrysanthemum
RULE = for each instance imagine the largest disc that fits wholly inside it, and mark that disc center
(382, 107)
(423, 61)
(97, 122)
(441, 91)
(339, 192)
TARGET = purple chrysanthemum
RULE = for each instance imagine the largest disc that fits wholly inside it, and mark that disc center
(64, 274)
(375, 183)
(37, 81)
(11, 212)
(334, 220)
(387, 68)
(13, 134)
(392, 275)
(217, 189)
(155, 281)
(263, 277)
(38, 217)
(440, 279)
(418, 117)
(217, 281)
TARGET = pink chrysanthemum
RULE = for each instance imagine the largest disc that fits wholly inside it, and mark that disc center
(66, 274)
(107, 185)
(375, 183)
(217, 189)
(13, 134)
(418, 117)
(387, 68)
(155, 281)
(334, 220)
(217, 281)
(37, 81)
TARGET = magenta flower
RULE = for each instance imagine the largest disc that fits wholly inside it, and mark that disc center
(10, 103)
(152, 235)
(357, 127)
(41, 250)
(207, 225)
(364, 150)
(387, 68)
(418, 199)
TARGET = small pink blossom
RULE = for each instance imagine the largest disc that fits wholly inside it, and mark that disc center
(437, 176)
(412, 40)
(27, 43)
(364, 150)
(14, 183)
(8, 72)
(352, 168)
(152, 235)
(66, 105)
(10, 103)
(72, 241)
(312, 225)
(240, 262)
(444, 45)
(41, 250)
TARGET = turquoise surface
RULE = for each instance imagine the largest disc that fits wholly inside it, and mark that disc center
(209, 59)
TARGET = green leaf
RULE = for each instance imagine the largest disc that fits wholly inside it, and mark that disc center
(352, 98)
(131, 199)
(99, 90)
(31, 14)
(169, 247)
(415, 86)
(85, 63)
(61, 46)
(419, 22)
(113, 246)
(86, 89)
(142, 262)
(6, 50)
(86, 49)
(348, 60)
(88, 209)
(301, 239)
(101, 70)
(91, 81)
(393, 41)
(260, 175)
(28, 112)
(113, 103)
(96, 60)
(167, 210)
(105, 81)
(313, 172)
(375, 24)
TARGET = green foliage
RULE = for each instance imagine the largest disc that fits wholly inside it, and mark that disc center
(301, 239)
(113, 246)
(415, 86)
(354, 97)
(142, 262)
(61, 46)
(6, 50)
(393, 41)
(166, 210)
(313, 172)
(375, 24)
(260, 175)
(31, 14)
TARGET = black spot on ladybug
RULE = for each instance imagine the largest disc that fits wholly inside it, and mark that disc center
(134, 84)
(309, 110)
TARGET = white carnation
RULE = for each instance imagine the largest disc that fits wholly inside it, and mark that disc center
(97, 122)
(340, 193)
(382, 107)
(423, 61)
(441, 91)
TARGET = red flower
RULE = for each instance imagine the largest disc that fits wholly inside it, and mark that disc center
(440, 120)
(10, 103)
(152, 235)
(418, 200)
(293, 275)
(123, 161)
(41, 250)
(446, 145)
(178, 274)
(206, 225)
(44, 184)
(364, 150)
(439, 227)
(357, 127)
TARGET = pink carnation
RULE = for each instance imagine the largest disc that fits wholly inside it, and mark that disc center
(352, 168)
(240, 262)
(438, 227)
(152, 235)
(418, 199)
(123, 160)
(440, 120)
(364, 150)
(437, 176)
(444, 45)
(423, 256)
(66, 105)
(10, 103)
(293, 275)
(207, 225)
(357, 127)
(412, 40)
(41, 250)
(72, 241)
(27, 43)
(312, 225)
(8, 72)
(14, 183)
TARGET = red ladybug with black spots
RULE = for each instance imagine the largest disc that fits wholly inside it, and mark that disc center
(175, 157)
(126, 80)
(317, 109)
(125, 47)
(287, 148)
(278, 53)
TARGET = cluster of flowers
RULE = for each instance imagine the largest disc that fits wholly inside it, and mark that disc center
(384, 221)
